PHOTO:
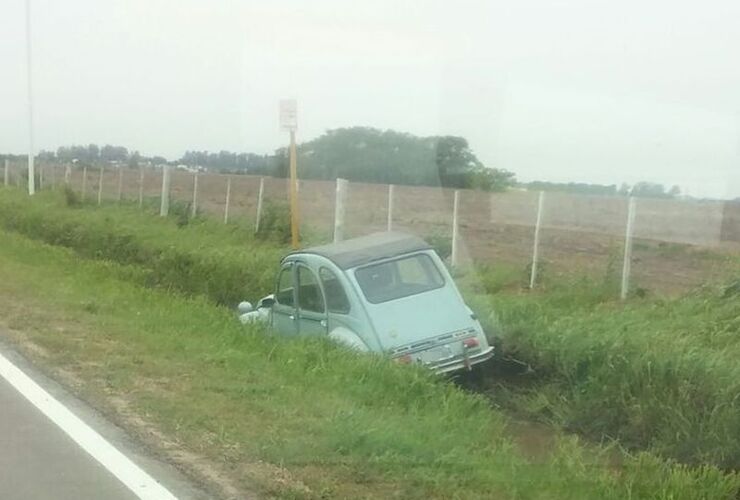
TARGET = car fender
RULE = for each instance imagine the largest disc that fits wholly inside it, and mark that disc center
(348, 338)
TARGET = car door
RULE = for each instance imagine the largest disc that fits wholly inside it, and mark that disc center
(312, 319)
(284, 310)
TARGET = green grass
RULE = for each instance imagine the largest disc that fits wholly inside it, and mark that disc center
(644, 373)
(343, 425)
(198, 257)
(656, 374)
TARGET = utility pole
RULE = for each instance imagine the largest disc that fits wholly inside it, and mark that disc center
(29, 70)
(289, 121)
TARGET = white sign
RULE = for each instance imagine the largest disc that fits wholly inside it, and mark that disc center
(288, 115)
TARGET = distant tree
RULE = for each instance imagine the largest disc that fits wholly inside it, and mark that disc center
(650, 190)
(365, 154)
(113, 153)
(133, 159)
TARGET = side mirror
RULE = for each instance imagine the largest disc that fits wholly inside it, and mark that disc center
(244, 307)
(266, 302)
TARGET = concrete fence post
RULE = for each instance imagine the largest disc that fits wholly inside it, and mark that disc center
(390, 207)
(141, 186)
(67, 174)
(627, 264)
(100, 186)
(259, 205)
(41, 178)
(5, 172)
(84, 183)
(119, 195)
(536, 245)
(455, 230)
(228, 200)
(164, 205)
(194, 207)
(339, 203)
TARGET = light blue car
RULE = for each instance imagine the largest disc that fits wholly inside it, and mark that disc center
(386, 292)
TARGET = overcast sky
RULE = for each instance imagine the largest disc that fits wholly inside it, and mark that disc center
(571, 90)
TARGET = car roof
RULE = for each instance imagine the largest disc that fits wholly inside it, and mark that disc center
(365, 249)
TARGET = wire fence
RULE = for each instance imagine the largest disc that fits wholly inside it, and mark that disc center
(671, 246)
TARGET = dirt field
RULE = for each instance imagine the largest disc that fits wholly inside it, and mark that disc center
(678, 244)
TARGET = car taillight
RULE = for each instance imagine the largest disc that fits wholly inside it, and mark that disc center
(471, 343)
(405, 359)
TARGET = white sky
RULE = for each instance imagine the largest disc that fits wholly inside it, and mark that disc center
(570, 90)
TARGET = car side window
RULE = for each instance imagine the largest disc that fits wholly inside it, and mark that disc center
(310, 297)
(336, 298)
(285, 287)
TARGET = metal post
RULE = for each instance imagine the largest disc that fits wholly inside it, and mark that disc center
(390, 207)
(339, 202)
(100, 185)
(194, 209)
(294, 217)
(120, 184)
(29, 69)
(455, 208)
(259, 204)
(627, 265)
(164, 207)
(5, 172)
(141, 186)
(228, 199)
(536, 246)
(84, 182)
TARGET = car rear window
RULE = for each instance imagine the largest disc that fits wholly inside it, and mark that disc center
(398, 278)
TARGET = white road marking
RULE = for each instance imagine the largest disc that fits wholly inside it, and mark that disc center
(139, 482)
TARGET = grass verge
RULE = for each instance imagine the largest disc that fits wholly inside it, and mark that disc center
(301, 419)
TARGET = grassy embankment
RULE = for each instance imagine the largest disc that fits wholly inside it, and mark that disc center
(340, 424)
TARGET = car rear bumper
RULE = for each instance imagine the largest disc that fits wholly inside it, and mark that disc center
(462, 363)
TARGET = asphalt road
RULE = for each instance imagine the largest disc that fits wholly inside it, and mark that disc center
(39, 461)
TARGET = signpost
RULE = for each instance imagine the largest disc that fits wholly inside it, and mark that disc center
(289, 122)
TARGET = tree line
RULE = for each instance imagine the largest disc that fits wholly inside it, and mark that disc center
(639, 189)
(359, 154)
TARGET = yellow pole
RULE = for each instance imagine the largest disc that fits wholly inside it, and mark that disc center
(294, 216)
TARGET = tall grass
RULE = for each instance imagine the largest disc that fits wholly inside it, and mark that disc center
(223, 262)
(657, 374)
(345, 425)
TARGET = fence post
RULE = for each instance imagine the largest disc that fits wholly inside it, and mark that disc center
(627, 265)
(455, 208)
(390, 207)
(67, 174)
(228, 199)
(194, 208)
(100, 185)
(536, 246)
(120, 184)
(141, 186)
(164, 206)
(53, 176)
(41, 178)
(339, 202)
(5, 173)
(259, 204)
(84, 183)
